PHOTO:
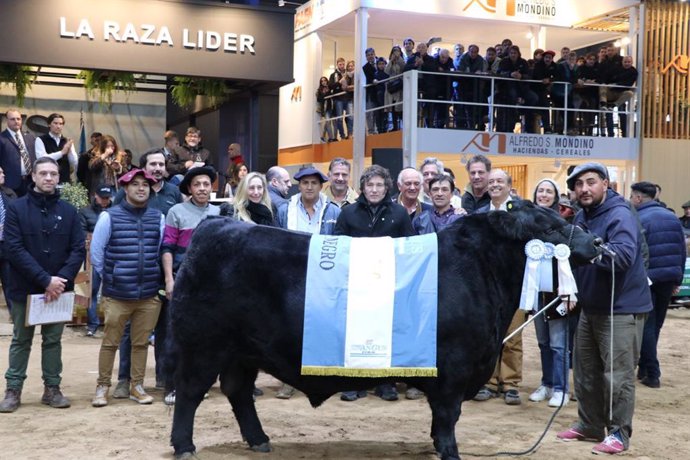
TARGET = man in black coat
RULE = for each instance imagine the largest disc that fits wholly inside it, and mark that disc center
(374, 214)
(45, 245)
(17, 153)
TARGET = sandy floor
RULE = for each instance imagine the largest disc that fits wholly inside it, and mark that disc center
(369, 428)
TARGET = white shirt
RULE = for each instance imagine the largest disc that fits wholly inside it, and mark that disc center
(41, 150)
(502, 207)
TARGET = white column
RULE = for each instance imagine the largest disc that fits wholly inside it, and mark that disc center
(316, 45)
(541, 37)
(638, 39)
(409, 131)
(360, 131)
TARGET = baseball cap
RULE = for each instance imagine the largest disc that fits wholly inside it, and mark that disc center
(104, 191)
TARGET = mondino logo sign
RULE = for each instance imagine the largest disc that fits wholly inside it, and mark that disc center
(680, 62)
(494, 143)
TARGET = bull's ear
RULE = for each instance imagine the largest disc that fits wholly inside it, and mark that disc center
(506, 224)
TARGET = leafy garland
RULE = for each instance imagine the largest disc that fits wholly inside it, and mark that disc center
(75, 194)
(105, 82)
(17, 75)
(186, 89)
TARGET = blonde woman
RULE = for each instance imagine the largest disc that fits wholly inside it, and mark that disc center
(252, 203)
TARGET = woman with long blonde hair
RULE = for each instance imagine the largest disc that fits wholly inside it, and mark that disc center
(252, 203)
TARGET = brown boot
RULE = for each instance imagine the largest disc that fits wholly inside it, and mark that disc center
(12, 400)
(53, 397)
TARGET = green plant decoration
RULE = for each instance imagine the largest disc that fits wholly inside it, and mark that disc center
(75, 194)
(105, 82)
(17, 75)
(186, 89)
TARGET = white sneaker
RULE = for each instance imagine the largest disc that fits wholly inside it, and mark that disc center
(556, 398)
(541, 394)
(101, 397)
(170, 399)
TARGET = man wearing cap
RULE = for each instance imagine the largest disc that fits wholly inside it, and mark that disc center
(180, 223)
(666, 242)
(602, 361)
(309, 210)
(163, 196)
(88, 216)
(124, 251)
(685, 220)
(45, 246)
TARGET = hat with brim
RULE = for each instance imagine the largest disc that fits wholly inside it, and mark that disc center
(129, 177)
(192, 173)
(686, 205)
(104, 191)
(583, 168)
(551, 52)
(311, 171)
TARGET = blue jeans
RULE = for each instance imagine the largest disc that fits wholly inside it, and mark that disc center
(92, 321)
(649, 363)
(338, 109)
(124, 370)
(551, 337)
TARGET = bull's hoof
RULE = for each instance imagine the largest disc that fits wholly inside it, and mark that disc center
(265, 447)
(186, 456)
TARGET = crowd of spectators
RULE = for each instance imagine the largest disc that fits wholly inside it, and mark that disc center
(532, 93)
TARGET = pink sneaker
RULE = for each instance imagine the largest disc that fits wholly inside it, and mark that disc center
(610, 445)
(571, 434)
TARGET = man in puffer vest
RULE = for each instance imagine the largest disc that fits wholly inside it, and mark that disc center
(124, 251)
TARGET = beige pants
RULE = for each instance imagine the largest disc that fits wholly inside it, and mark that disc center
(508, 372)
(143, 315)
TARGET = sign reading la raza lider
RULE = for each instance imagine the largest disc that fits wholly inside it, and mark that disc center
(157, 35)
(529, 145)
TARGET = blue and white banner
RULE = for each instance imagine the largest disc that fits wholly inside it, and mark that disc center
(370, 307)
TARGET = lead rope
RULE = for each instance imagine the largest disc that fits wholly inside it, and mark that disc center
(613, 289)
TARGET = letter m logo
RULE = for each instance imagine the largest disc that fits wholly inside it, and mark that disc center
(487, 143)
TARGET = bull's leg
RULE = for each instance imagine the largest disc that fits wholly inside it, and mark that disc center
(193, 378)
(237, 384)
(445, 412)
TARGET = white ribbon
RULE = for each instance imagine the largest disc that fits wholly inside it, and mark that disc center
(566, 281)
(535, 251)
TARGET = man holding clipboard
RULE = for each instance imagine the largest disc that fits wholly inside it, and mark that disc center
(45, 245)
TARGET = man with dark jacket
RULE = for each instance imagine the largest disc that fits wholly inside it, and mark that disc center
(58, 147)
(374, 214)
(190, 154)
(667, 253)
(88, 215)
(422, 61)
(124, 251)
(477, 191)
(369, 70)
(622, 76)
(546, 71)
(17, 153)
(514, 91)
(604, 366)
(45, 245)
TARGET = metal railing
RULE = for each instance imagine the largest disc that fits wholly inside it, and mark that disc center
(490, 109)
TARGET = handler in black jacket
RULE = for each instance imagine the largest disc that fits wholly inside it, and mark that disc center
(45, 245)
(374, 214)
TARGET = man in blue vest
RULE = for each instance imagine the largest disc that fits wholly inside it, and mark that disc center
(124, 251)
(45, 246)
(58, 147)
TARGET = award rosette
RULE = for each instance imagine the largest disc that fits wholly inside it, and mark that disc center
(535, 250)
(566, 280)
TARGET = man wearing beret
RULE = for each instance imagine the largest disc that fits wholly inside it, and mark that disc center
(614, 296)
(124, 251)
(308, 211)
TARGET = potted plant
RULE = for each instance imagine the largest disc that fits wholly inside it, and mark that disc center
(105, 82)
(17, 75)
(186, 89)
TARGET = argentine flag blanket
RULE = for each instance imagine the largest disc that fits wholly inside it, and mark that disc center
(370, 307)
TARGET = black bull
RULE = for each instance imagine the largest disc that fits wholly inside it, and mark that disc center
(238, 307)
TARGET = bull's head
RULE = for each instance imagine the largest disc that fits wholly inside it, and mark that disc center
(525, 221)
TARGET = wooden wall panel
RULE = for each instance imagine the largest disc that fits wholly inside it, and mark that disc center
(666, 78)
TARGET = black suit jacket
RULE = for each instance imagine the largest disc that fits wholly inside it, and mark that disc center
(10, 159)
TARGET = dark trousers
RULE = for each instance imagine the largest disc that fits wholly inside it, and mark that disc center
(649, 363)
(124, 369)
(161, 343)
(5, 280)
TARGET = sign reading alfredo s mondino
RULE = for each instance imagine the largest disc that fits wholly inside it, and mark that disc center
(152, 36)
